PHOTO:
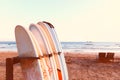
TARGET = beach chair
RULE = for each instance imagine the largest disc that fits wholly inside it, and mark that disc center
(102, 57)
(110, 56)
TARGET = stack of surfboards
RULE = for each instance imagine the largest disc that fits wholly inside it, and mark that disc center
(41, 41)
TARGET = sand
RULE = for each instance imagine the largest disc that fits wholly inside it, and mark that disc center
(80, 67)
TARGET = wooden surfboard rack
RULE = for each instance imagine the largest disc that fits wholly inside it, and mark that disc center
(10, 63)
(14, 60)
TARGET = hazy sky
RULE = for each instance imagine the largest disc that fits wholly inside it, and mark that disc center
(74, 20)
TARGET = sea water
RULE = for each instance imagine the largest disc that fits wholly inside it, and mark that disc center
(72, 46)
(91, 46)
(8, 46)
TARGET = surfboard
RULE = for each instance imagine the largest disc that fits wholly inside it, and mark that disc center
(57, 47)
(33, 69)
(56, 56)
(43, 44)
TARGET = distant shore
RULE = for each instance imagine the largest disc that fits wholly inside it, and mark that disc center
(80, 67)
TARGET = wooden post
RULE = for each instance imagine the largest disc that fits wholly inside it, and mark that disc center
(9, 69)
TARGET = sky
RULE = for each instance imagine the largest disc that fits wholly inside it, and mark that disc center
(74, 20)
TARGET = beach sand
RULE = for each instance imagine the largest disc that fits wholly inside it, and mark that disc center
(80, 67)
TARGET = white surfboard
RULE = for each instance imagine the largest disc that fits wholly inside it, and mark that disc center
(54, 51)
(39, 35)
(27, 47)
(57, 45)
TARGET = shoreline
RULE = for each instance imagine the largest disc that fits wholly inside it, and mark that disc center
(81, 66)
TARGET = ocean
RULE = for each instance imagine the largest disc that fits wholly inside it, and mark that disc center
(72, 46)
(8, 46)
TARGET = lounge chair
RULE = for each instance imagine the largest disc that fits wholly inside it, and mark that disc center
(110, 56)
(102, 57)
